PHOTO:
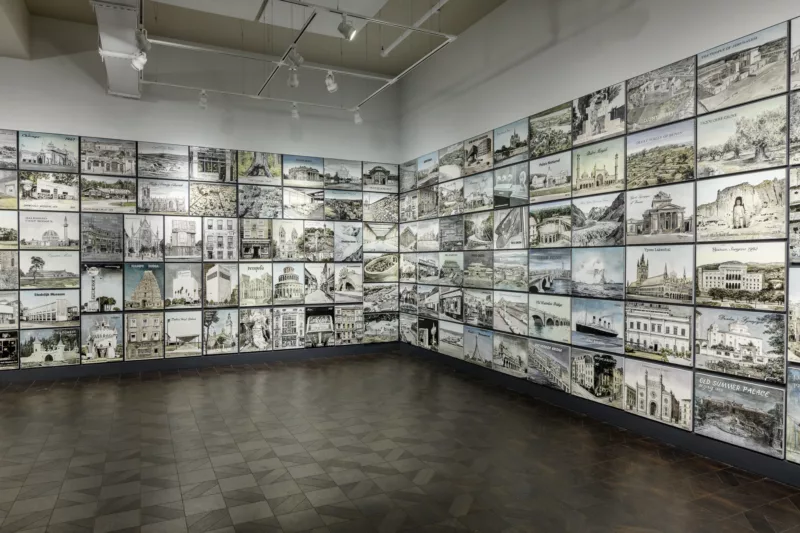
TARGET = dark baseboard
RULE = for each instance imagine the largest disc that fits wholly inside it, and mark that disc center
(763, 465)
(54, 373)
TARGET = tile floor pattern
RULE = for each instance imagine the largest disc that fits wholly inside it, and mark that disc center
(351, 444)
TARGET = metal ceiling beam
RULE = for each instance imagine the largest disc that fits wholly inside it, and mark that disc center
(308, 22)
(261, 10)
(432, 11)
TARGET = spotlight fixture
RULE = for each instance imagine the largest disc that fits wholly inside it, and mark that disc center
(139, 60)
(295, 112)
(330, 83)
(294, 80)
(346, 29)
(294, 58)
(357, 117)
(203, 101)
(142, 42)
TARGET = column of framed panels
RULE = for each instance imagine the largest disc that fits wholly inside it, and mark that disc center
(114, 250)
(631, 247)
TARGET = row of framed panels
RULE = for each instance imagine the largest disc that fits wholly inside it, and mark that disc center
(707, 404)
(39, 152)
(748, 69)
(136, 336)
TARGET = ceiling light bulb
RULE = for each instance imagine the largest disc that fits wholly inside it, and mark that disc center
(295, 111)
(139, 60)
(346, 29)
(357, 117)
(330, 83)
(203, 102)
(294, 80)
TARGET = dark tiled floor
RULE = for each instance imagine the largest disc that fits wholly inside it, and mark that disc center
(372, 443)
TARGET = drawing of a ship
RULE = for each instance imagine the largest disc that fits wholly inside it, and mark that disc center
(598, 326)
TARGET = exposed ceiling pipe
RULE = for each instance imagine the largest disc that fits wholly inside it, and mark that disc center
(386, 51)
(308, 22)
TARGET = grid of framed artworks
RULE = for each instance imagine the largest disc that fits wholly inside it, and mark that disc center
(117, 250)
(632, 247)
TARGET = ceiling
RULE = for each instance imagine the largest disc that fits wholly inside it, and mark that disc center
(230, 24)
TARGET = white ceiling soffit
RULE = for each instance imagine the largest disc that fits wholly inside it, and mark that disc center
(117, 21)
(286, 15)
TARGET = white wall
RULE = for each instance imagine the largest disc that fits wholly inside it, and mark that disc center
(529, 55)
(61, 89)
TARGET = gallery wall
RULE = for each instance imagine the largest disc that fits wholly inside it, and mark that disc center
(631, 247)
(529, 55)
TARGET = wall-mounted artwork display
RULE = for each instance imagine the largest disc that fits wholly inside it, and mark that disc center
(659, 392)
(163, 197)
(48, 309)
(9, 350)
(49, 347)
(794, 128)
(660, 274)
(478, 269)
(479, 231)
(659, 332)
(8, 149)
(599, 168)
(318, 240)
(183, 238)
(451, 233)
(597, 272)
(478, 192)
(8, 189)
(183, 333)
(509, 354)
(741, 413)
(165, 161)
(451, 198)
(598, 377)
(550, 177)
(380, 237)
(48, 152)
(289, 324)
(511, 143)
(743, 70)
(428, 301)
(451, 339)
(381, 267)
(9, 313)
(108, 157)
(550, 271)
(427, 170)
(451, 304)
(511, 270)
(409, 206)
(144, 237)
(212, 200)
(255, 284)
(744, 207)
(380, 177)
(598, 324)
(256, 241)
(428, 202)
(599, 220)
(479, 307)
(550, 131)
(380, 327)
(319, 327)
(349, 282)
(511, 186)
(793, 412)
(549, 365)
(347, 241)
(511, 312)
(48, 191)
(257, 201)
(144, 286)
(221, 331)
(661, 96)
(319, 283)
(380, 207)
(478, 154)
(451, 268)
(9, 231)
(220, 238)
(408, 298)
(598, 115)
(660, 215)
(478, 345)
(428, 235)
(408, 176)
(428, 335)
(101, 288)
(795, 56)
(183, 285)
(451, 162)
(343, 205)
(349, 324)
(61, 231)
(408, 237)
(221, 284)
(748, 138)
(749, 275)
(741, 343)
(258, 168)
(44, 269)
(288, 240)
(212, 164)
(343, 174)
(381, 297)
(303, 171)
(549, 317)
(102, 338)
(144, 336)
(661, 156)
(9, 271)
(550, 225)
(794, 315)
(108, 194)
(511, 228)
